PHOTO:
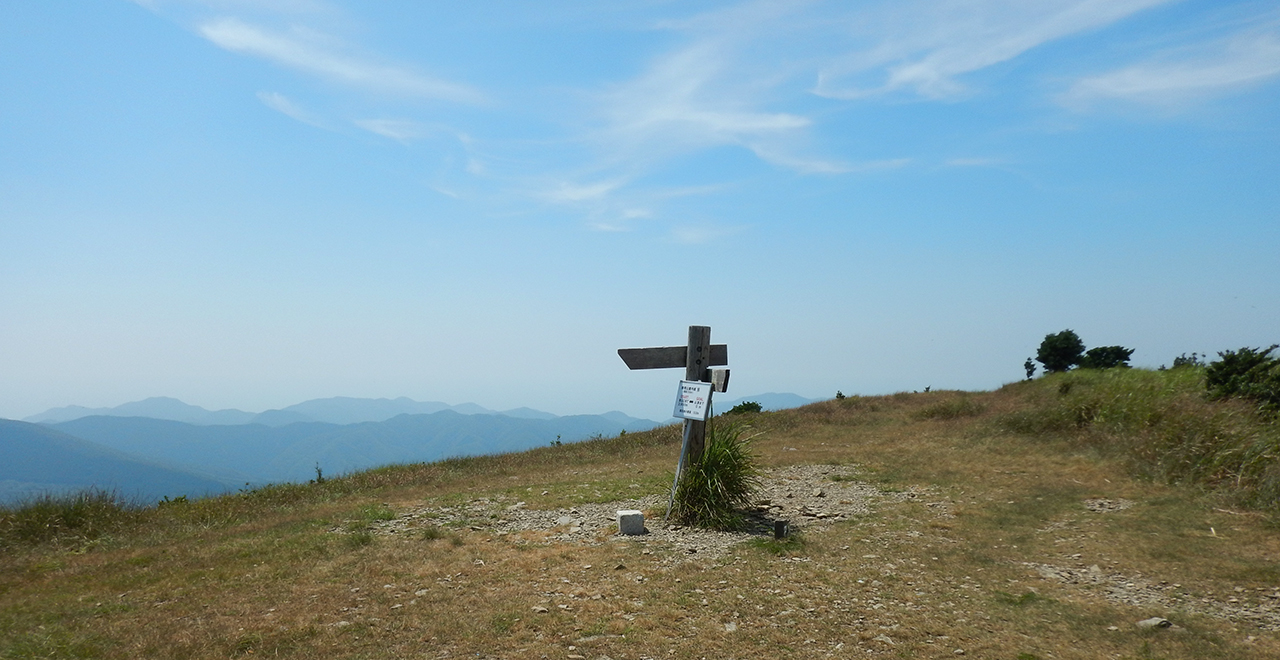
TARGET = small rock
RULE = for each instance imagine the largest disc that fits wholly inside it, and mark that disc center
(1154, 622)
(958, 652)
(818, 492)
(630, 522)
(539, 609)
(730, 627)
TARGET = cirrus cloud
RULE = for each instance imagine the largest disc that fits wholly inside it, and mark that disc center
(314, 54)
(1172, 79)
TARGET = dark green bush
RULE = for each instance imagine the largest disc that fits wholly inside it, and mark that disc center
(1249, 373)
(1186, 361)
(745, 407)
(1106, 357)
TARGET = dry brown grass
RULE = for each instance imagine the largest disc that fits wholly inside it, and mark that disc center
(302, 573)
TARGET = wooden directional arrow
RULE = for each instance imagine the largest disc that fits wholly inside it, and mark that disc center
(667, 357)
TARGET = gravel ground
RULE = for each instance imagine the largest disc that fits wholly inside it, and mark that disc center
(1153, 594)
(806, 496)
(811, 498)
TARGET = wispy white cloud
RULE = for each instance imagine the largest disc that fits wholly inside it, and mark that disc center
(281, 103)
(926, 48)
(687, 100)
(565, 192)
(699, 234)
(317, 54)
(749, 83)
(1173, 79)
(403, 130)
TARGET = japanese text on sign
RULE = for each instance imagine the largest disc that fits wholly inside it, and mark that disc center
(693, 400)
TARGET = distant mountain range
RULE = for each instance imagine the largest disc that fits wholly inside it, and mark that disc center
(36, 459)
(256, 453)
(163, 447)
(334, 410)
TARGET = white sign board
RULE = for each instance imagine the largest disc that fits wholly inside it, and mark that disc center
(693, 401)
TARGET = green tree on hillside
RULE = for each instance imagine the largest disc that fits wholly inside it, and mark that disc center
(1060, 352)
(1106, 357)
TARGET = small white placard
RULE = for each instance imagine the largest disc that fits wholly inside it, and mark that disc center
(693, 400)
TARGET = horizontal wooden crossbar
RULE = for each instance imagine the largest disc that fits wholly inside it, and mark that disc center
(668, 357)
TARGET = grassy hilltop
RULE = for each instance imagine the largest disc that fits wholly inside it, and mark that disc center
(1042, 520)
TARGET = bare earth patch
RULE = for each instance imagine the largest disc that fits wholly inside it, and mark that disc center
(809, 497)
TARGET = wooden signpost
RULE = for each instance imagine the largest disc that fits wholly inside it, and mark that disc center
(697, 358)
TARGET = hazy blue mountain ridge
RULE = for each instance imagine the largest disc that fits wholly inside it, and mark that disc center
(257, 453)
(351, 410)
(188, 450)
(36, 458)
(159, 407)
(333, 410)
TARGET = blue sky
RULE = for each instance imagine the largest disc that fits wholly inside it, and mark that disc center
(249, 204)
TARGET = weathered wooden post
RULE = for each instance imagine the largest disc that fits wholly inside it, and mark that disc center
(697, 367)
(697, 357)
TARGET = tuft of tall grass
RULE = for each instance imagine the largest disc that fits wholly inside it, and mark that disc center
(1164, 422)
(712, 491)
(66, 518)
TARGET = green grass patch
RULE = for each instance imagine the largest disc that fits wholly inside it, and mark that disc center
(1020, 600)
(788, 546)
(1163, 422)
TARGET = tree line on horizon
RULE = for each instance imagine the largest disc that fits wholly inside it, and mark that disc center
(1249, 373)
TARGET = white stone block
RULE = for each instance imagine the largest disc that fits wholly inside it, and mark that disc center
(630, 522)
